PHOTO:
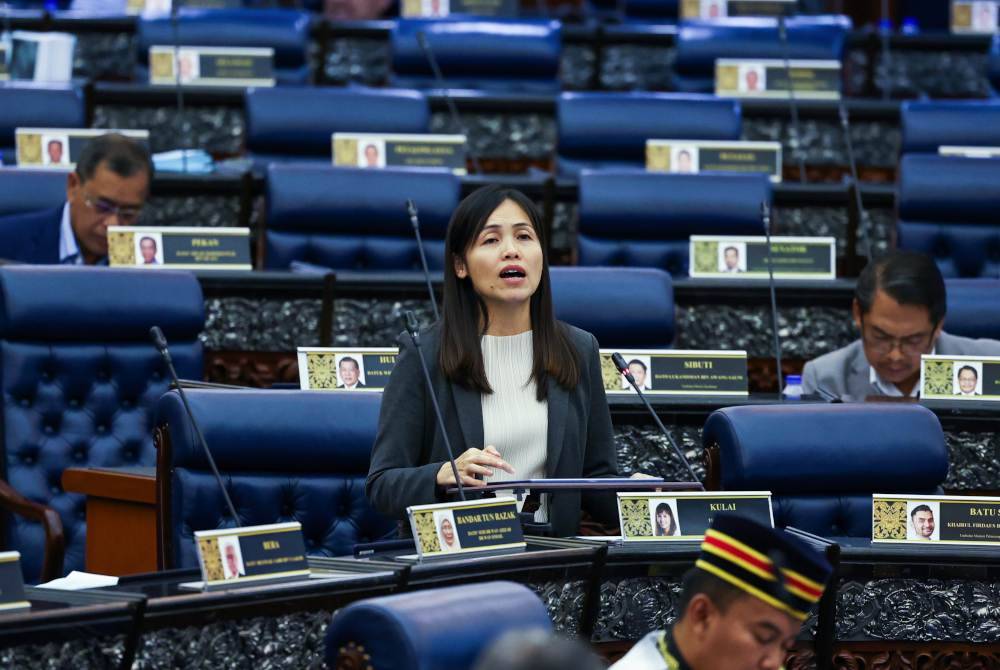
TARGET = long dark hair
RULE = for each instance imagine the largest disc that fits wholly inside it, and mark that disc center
(465, 318)
(664, 507)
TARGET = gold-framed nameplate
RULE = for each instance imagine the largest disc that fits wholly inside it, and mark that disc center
(686, 156)
(179, 248)
(720, 9)
(969, 152)
(211, 66)
(960, 378)
(58, 148)
(467, 527)
(442, 8)
(252, 554)
(677, 372)
(374, 151)
(12, 596)
(974, 17)
(671, 517)
(913, 519)
(157, 8)
(345, 369)
(747, 257)
(769, 78)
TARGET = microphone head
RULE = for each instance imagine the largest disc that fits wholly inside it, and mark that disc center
(619, 362)
(158, 338)
(410, 320)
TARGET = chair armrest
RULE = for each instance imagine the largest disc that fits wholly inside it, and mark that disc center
(55, 538)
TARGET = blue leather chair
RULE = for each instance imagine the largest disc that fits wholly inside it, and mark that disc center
(927, 125)
(81, 378)
(645, 219)
(284, 455)
(700, 43)
(822, 463)
(948, 209)
(284, 30)
(515, 55)
(432, 629)
(23, 190)
(622, 307)
(973, 308)
(355, 219)
(297, 123)
(29, 105)
(609, 130)
(993, 66)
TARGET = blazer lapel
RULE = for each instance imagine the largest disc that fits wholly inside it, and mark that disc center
(558, 401)
(469, 406)
(859, 384)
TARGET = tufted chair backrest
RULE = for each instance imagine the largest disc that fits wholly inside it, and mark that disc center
(31, 105)
(80, 379)
(927, 125)
(284, 455)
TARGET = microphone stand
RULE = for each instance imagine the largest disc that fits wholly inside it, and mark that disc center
(863, 232)
(792, 102)
(765, 215)
(415, 222)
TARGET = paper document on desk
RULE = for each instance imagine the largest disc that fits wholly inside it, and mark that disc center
(77, 581)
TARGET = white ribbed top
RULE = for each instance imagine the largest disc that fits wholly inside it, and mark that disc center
(513, 420)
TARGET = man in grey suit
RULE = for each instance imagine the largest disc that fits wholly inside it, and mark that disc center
(899, 307)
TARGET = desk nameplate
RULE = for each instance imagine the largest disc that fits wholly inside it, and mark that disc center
(58, 148)
(916, 519)
(719, 9)
(974, 17)
(677, 372)
(671, 517)
(179, 248)
(211, 66)
(730, 257)
(694, 156)
(466, 527)
(345, 369)
(236, 556)
(443, 8)
(374, 151)
(960, 378)
(769, 78)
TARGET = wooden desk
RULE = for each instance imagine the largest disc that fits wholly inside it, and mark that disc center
(121, 517)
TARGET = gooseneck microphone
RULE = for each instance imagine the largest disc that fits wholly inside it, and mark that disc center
(793, 104)
(160, 342)
(413, 330)
(765, 215)
(622, 366)
(415, 222)
(863, 232)
(452, 109)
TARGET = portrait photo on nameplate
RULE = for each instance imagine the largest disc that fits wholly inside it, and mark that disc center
(374, 151)
(232, 556)
(960, 378)
(179, 248)
(58, 148)
(466, 527)
(916, 519)
(652, 517)
(211, 66)
(677, 372)
(345, 369)
(692, 156)
(443, 8)
(729, 257)
(769, 78)
(974, 17)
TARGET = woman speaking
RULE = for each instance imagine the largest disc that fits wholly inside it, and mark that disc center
(521, 393)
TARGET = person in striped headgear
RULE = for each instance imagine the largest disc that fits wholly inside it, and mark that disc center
(741, 606)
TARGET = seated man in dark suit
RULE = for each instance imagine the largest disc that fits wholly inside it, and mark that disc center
(899, 307)
(108, 188)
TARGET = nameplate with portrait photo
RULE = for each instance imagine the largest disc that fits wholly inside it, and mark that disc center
(969, 152)
(58, 148)
(770, 78)
(960, 378)
(672, 517)
(211, 66)
(974, 17)
(708, 10)
(12, 596)
(677, 372)
(159, 8)
(440, 8)
(345, 369)
(916, 519)
(690, 157)
(466, 527)
(375, 151)
(235, 557)
(179, 248)
(725, 257)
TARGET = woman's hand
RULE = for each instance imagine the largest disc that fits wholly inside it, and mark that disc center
(471, 463)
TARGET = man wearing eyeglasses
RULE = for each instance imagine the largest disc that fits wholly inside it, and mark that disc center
(108, 188)
(899, 307)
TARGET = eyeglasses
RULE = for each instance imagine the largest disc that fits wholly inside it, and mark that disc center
(126, 214)
(881, 344)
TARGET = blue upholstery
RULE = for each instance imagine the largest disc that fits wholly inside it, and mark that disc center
(928, 125)
(700, 43)
(644, 219)
(609, 130)
(355, 219)
(23, 190)
(948, 209)
(993, 66)
(491, 54)
(284, 455)
(622, 307)
(297, 122)
(433, 629)
(284, 30)
(25, 104)
(80, 378)
(973, 308)
(823, 462)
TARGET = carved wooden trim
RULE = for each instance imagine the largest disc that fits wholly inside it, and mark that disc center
(164, 455)
(55, 537)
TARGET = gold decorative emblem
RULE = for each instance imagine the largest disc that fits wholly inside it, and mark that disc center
(727, 78)
(961, 15)
(691, 9)
(426, 532)
(321, 370)
(635, 518)
(937, 378)
(889, 520)
(345, 152)
(412, 8)
(121, 247)
(211, 558)
(706, 256)
(29, 149)
(161, 64)
(610, 375)
(658, 157)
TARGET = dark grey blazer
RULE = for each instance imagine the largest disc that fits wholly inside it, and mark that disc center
(409, 449)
